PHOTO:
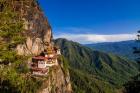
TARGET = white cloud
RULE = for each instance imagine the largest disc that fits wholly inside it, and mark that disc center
(95, 38)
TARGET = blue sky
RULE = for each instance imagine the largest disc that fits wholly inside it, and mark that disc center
(80, 19)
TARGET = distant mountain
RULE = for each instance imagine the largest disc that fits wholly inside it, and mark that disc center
(124, 48)
(94, 71)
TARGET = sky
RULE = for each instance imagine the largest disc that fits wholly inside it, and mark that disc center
(93, 21)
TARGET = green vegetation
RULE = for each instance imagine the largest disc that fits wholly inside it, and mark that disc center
(86, 83)
(123, 48)
(90, 71)
(133, 86)
(14, 73)
(10, 29)
(13, 82)
(64, 64)
(93, 71)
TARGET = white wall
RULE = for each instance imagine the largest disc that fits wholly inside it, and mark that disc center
(41, 64)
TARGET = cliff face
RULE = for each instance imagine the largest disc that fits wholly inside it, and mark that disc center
(38, 35)
(37, 29)
(57, 82)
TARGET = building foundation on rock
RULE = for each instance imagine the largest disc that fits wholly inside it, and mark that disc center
(40, 64)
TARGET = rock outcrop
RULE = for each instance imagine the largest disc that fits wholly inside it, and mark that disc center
(38, 33)
(57, 82)
(37, 28)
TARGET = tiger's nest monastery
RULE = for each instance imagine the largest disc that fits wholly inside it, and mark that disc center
(40, 64)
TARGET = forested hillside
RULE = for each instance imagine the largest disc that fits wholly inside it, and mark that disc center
(96, 71)
(124, 48)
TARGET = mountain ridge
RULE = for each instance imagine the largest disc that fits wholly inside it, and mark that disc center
(123, 48)
(91, 66)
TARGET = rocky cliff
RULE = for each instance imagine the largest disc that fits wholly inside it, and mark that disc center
(37, 29)
(38, 34)
(57, 82)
